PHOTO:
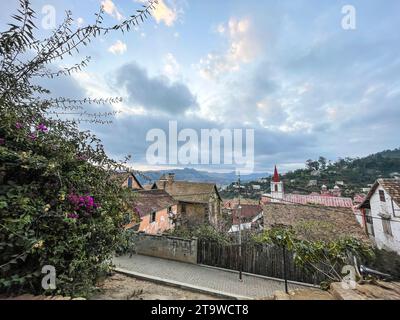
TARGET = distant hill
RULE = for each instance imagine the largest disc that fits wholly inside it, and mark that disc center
(194, 175)
(355, 173)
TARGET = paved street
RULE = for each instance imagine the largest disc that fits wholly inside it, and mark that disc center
(199, 276)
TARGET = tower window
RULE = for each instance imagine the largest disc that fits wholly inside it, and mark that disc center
(276, 188)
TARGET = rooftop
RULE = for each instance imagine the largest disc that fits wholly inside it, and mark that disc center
(149, 201)
(185, 191)
(248, 212)
(312, 222)
(391, 186)
(323, 200)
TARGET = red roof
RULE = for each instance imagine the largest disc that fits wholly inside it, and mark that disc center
(276, 176)
(247, 213)
(319, 200)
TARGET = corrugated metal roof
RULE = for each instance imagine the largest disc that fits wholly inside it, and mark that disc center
(320, 200)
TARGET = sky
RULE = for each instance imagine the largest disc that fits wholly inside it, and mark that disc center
(287, 69)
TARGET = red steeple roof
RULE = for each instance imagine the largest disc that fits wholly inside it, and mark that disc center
(276, 176)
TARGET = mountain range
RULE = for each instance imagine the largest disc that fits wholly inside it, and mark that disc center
(194, 175)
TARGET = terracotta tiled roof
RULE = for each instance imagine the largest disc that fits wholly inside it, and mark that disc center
(248, 212)
(327, 201)
(146, 202)
(232, 203)
(314, 222)
(185, 191)
(391, 186)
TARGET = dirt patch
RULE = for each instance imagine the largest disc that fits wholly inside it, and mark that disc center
(121, 287)
(304, 294)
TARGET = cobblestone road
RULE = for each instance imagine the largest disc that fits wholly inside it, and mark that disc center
(200, 276)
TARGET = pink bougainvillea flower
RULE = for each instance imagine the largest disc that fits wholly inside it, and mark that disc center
(84, 203)
(32, 136)
(2, 141)
(42, 128)
(19, 125)
(73, 216)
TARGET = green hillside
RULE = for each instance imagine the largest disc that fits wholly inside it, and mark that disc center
(356, 173)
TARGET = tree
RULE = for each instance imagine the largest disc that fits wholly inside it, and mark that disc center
(58, 203)
(322, 162)
(312, 165)
(326, 257)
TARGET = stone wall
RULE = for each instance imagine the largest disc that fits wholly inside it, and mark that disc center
(166, 247)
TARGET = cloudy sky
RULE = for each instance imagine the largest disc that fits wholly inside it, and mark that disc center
(286, 69)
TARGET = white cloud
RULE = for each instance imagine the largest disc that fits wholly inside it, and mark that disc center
(118, 48)
(164, 12)
(221, 28)
(95, 87)
(243, 48)
(80, 21)
(111, 9)
(171, 66)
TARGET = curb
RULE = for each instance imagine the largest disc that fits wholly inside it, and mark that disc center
(177, 284)
(303, 284)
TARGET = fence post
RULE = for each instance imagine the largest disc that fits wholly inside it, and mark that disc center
(284, 269)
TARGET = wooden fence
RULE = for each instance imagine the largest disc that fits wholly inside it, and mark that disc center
(257, 259)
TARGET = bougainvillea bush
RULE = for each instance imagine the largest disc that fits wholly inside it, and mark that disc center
(58, 204)
(56, 209)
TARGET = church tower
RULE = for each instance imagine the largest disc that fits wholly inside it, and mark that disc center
(276, 187)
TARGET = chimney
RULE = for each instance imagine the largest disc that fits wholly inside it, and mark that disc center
(171, 177)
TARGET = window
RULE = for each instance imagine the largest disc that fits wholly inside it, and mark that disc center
(369, 223)
(382, 195)
(130, 182)
(183, 208)
(276, 188)
(387, 228)
(153, 217)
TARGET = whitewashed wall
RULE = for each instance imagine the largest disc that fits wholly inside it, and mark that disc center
(382, 240)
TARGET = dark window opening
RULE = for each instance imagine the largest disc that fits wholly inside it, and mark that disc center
(153, 217)
(130, 182)
(276, 188)
(382, 195)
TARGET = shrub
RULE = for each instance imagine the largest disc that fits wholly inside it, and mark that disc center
(58, 205)
(202, 232)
